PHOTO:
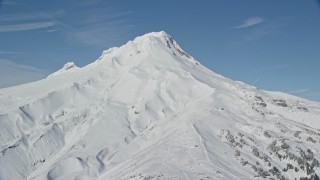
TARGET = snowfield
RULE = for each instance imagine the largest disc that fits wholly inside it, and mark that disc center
(148, 110)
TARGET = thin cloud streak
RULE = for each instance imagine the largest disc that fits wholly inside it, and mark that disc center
(256, 81)
(279, 67)
(98, 25)
(306, 93)
(276, 67)
(32, 16)
(299, 91)
(12, 73)
(98, 35)
(250, 22)
(10, 52)
(9, 2)
(103, 16)
(52, 30)
(264, 30)
(98, 28)
(90, 2)
(26, 26)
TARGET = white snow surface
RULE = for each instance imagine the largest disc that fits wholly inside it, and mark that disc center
(68, 67)
(148, 110)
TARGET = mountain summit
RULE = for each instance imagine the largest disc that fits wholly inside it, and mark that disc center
(148, 110)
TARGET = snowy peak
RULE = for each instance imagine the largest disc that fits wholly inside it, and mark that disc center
(147, 110)
(170, 43)
(151, 43)
(68, 67)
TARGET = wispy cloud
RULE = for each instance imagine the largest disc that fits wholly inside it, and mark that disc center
(32, 16)
(8, 2)
(311, 94)
(266, 29)
(25, 26)
(101, 22)
(250, 22)
(275, 67)
(100, 32)
(52, 30)
(12, 73)
(90, 2)
(99, 25)
(256, 81)
(298, 91)
(268, 69)
(29, 21)
(10, 52)
(278, 67)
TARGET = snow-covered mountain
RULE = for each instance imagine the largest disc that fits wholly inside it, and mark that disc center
(148, 110)
(68, 67)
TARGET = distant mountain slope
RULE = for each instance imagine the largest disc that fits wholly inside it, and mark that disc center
(68, 67)
(148, 110)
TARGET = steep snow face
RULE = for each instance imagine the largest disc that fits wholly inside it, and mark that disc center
(148, 110)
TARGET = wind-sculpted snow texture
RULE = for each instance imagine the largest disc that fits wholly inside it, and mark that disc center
(148, 110)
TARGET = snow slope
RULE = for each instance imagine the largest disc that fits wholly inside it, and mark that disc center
(68, 67)
(148, 110)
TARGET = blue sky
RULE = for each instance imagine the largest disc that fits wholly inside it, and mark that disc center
(274, 45)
